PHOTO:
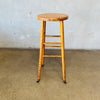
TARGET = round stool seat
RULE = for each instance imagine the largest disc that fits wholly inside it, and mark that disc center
(52, 17)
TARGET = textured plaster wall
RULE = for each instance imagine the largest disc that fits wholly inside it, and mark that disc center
(19, 27)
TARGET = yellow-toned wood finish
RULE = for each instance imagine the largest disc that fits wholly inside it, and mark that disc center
(52, 46)
(52, 17)
(41, 48)
(62, 50)
(51, 43)
(52, 36)
(43, 32)
(51, 55)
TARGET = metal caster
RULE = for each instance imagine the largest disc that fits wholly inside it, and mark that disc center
(64, 82)
(38, 81)
(42, 65)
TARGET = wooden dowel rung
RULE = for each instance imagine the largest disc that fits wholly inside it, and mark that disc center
(52, 36)
(51, 43)
(52, 46)
(52, 56)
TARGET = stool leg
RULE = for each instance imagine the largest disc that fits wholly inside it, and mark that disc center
(44, 31)
(63, 51)
(41, 50)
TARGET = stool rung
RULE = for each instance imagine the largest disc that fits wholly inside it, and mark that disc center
(52, 36)
(51, 43)
(52, 56)
(52, 46)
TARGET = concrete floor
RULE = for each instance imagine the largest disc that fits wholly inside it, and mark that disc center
(18, 75)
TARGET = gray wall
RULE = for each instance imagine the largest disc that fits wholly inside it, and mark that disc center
(19, 27)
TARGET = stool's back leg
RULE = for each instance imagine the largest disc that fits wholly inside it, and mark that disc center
(41, 51)
(44, 32)
(62, 50)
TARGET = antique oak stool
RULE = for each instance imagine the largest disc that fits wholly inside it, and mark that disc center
(52, 17)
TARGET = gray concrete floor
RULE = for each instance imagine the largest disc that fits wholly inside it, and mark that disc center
(18, 75)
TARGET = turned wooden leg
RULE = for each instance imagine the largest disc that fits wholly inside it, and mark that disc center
(41, 50)
(63, 51)
(44, 32)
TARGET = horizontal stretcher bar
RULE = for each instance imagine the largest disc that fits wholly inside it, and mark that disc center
(51, 43)
(52, 36)
(52, 56)
(52, 46)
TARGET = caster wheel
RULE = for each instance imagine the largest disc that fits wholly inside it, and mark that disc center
(42, 65)
(64, 82)
(38, 81)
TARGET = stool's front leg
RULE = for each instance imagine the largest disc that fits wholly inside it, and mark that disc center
(44, 32)
(63, 51)
(41, 50)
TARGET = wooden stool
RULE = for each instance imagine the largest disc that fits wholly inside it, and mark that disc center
(51, 17)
